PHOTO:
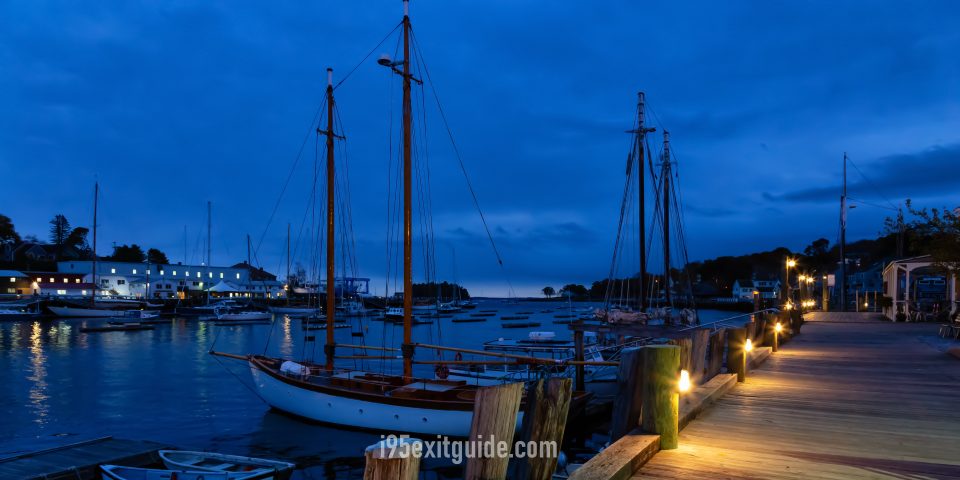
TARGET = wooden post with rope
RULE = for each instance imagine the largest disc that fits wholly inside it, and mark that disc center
(661, 398)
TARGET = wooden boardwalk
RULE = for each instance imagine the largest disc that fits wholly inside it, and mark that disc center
(852, 397)
(80, 460)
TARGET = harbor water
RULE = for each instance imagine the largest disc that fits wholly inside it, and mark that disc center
(59, 385)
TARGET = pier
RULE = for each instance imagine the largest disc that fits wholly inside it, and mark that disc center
(854, 396)
(80, 460)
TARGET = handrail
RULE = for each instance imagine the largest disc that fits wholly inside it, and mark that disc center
(723, 320)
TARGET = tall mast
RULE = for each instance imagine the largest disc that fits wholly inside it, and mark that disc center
(407, 204)
(96, 198)
(287, 293)
(209, 243)
(666, 216)
(843, 239)
(329, 348)
(641, 132)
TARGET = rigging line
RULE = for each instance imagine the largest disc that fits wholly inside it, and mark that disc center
(859, 200)
(878, 191)
(365, 57)
(293, 169)
(456, 151)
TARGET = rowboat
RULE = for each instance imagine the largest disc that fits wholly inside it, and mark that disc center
(119, 472)
(257, 468)
(242, 316)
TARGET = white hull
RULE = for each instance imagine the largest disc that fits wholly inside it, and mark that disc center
(83, 312)
(350, 412)
(293, 311)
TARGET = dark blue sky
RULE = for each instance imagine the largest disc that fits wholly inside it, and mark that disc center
(171, 104)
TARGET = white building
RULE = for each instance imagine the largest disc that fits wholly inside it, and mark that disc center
(916, 287)
(145, 280)
(767, 289)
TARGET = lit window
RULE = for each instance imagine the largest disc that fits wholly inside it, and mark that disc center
(238, 276)
(211, 274)
(186, 274)
(201, 284)
(174, 273)
(221, 276)
(66, 280)
(61, 292)
(148, 271)
(12, 279)
(52, 280)
(161, 272)
(113, 270)
(134, 271)
(76, 280)
(83, 292)
(198, 274)
(39, 279)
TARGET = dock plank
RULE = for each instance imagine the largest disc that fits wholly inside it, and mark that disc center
(79, 461)
(852, 397)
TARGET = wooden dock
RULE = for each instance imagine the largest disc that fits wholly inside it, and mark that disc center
(853, 397)
(79, 461)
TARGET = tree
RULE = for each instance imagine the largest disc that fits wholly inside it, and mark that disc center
(78, 240)
(59, 230)
(939, 233)
(574, 290)
(548, 292)
(132, 253)
(156, 256)
(8, 234)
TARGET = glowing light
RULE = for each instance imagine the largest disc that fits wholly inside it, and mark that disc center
(802, 278)
(684, 384)
(789, 306)
(12, 280)
(778, 328)
(865, 304)
(113, 270)
(748, 346)
(791, 263)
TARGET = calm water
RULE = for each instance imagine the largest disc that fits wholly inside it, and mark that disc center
(58, 385)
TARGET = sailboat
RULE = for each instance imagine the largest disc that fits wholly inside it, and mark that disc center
(637, 302)
(365, 399)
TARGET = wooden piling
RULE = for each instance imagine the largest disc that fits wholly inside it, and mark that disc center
(698, 355)
(686, 345)
(627, 402)
(718, 340)
(544, 420)
(661, 400)
(393, 459)
(736, 357)
(494, 419)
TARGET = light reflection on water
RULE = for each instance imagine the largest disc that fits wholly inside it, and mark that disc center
(59, 385)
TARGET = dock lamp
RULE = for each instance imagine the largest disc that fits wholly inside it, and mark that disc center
(748, 346)
(684, 384)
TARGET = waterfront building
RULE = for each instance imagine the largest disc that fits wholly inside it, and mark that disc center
(918, 289)
(165, 281)
(767, 289)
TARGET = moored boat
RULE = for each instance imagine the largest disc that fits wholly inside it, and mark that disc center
(257, 468)
(120, 472)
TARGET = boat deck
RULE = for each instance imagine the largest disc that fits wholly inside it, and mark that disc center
(79, 461)
(852, 397)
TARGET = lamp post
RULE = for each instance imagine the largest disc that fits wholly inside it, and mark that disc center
(790, 263)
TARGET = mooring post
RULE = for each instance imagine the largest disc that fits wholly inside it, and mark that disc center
(698, 355)
(494, 420)
(627, 402)
(578, 356)
(661, 397)
(393, 459)
(736, 356)
(544, 421)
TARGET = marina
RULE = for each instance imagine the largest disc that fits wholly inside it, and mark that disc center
(296, 252)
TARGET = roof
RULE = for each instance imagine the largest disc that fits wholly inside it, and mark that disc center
(745, 283)
(12, 273)
(224, 287)
(255, 273)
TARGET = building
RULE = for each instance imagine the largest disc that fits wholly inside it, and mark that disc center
(918, 289)
(51, 284)
(146, 280)
(767, 289)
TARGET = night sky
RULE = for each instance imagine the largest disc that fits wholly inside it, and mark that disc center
(171, 104)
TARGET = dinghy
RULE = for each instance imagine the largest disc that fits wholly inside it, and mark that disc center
(119, 472)
(257, 468)
(224, 316)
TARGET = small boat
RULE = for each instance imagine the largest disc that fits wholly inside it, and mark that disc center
(394, 313)
(83, 312)
(242, 316)
(117, 327)
(483, 314)
(6, 314)
(520, 324)
(517, 317)
(135, 315)
(255, 468)
(293, 311)
(119, 472)
(467, 305)
(469, 319)
(448, 308)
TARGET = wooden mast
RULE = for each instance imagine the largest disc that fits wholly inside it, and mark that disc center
(96, 198)
(641, 132)
(407, 203)
(288, 289)
(842, 281)
(666, 217)
(330, 347)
